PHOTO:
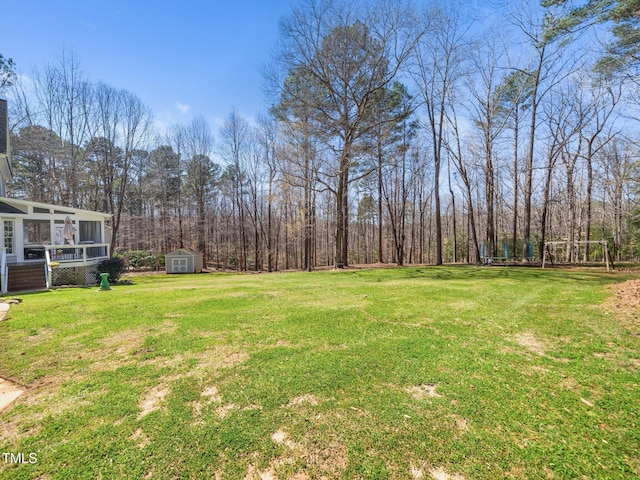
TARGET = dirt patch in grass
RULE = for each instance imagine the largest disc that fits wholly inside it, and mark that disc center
(117, 350)
(208, 396)
(325, 458)
(531, 343)
(43, 390)
(307, 399)
(632, 364)
(254, 474)
(625, 304)
(213, 358)
(300, 476)
(123, 342)
(626, 296)
(330, 460)
(140, 437)
(221, 357)
(418, 472)
(41, 335)
(422, 391)
(224, 410)
(281, 437)
(45, 398)
(623, 358)
(9, 430)
(441, 474)
(130, 341)
(211, 394)
(232, 359)
(461, 424)
(536, 346)
(152, 400)
(174, 362)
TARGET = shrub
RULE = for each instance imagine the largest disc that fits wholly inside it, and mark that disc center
(141, 260)
(115, 267)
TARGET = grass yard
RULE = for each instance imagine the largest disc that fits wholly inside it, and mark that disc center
(434, 373)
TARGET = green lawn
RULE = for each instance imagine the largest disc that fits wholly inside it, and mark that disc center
(451, 372)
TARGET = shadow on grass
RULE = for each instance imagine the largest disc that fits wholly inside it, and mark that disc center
(512, 273)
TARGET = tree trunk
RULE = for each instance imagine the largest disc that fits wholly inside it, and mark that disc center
(589, 194)
(438, 219)
(380, 256)
(490, 201)
(342, 213)
(270, 225)
(528, 189)
(545, 203)
(453, 207)
(514, 230)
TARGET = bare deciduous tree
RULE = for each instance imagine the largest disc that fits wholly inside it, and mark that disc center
(347, 55)
(439, 60)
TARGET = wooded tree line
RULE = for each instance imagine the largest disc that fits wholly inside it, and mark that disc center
(394, 133)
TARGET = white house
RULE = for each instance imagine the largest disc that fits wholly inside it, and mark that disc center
(43, 244)
(46, 244)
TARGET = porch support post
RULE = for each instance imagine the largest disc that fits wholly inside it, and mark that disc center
(47, 267)
(4, 271)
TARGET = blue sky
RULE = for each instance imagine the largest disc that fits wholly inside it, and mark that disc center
(182, 59)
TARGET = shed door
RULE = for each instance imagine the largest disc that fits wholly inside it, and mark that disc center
(179, 265)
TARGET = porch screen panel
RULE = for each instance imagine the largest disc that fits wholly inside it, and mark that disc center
(37, 232)
(90, 232)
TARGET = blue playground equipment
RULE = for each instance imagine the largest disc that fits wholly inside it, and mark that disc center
(487, 259)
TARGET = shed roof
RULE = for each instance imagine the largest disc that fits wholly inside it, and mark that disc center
(185, 250)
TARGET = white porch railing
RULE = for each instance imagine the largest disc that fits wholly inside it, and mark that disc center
(78, 254)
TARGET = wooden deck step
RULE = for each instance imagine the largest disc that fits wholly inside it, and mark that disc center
(26, 277)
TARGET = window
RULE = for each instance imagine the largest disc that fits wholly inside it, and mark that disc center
(8, 236)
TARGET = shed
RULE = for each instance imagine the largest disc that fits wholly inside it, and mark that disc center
(183, 260)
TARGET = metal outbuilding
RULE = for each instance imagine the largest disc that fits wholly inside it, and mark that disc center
(183, 260)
